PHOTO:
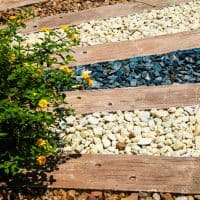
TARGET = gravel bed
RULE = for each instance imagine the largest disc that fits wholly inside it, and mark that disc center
(174, 67)
(64, 194)
(184, 17)
(53, 7)
(169, 132)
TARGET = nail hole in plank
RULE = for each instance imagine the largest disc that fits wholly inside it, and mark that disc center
(132, 178)
(98, 165)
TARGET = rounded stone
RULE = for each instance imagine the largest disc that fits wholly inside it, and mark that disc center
(109, 118)
(144, 141)
(98, 131)
(70, 120)
(106, 142)
(144, 116)
(93, 120)
(181, 198)
(128, 117)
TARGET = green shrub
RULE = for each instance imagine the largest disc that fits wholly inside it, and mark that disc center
(29, 84)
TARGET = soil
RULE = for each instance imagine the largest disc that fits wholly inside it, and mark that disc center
(53, 7)
(64, 194)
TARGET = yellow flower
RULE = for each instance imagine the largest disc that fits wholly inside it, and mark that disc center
(44, 29)
(64, 27)
(34, 94)
(69, 71)
(74, 38)
(66, 69)
(86, 75)
(12, 58)
(53, 113)
(13, 17)
(41, 142)
(90, 82)
(18, 21)
(43, 103)
(41, 160)
(38, 74)
(26, 64)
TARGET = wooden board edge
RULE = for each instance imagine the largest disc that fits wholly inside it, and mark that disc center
(131, 98)
(132, 48)
(129, 173)
(9, 4)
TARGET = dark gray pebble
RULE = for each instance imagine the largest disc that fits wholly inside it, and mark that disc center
(174, 67)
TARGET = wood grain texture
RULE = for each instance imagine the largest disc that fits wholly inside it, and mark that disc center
(7, 4)
(129, 173)
(98, 13)
(89, 101)
(128, 49)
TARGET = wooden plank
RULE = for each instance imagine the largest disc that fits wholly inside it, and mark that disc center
(98, 13)
(8, 4)
(129, 173)
(128, 49)
(89, 101)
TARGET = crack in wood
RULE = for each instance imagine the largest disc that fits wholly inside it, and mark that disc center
(145, 3)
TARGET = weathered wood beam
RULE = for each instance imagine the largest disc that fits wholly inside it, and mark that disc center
(132, 48)
(89, 101)
(129, 173)
(8, 4)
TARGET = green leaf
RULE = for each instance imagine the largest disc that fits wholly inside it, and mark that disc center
(3, 134)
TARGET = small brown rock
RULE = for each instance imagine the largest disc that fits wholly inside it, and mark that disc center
(71, 195)
(84, 196)
(112, 197)
(131, 135)
(55, 192)
(92, 197)
(120, 145)
(133, 196)
(148, 198)
(122, 194)
(197, 130)
(98, 194)
(190, 197)
(166, 196)
(143, 194)
(197, 197)
(63, 194)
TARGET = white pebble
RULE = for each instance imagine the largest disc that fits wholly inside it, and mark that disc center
(109, 118)
(144, 141)
(70, 120)
(106, 142)
(197, 142)
(93, 120)
(181, 198)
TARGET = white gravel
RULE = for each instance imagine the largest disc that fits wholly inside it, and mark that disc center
(184, 17)
(168, 132)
